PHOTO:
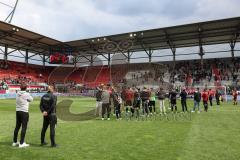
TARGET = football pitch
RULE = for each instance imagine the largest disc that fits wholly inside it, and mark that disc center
(206, 136)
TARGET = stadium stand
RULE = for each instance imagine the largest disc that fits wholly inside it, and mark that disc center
(13, 73)
(92, 74)
(76, 75)
(186, 73)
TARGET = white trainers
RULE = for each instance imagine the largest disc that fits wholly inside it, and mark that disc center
(15, 144)
(102, 119)
(108, 119)
(23, 145)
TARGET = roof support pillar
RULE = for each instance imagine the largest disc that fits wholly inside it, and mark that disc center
(201, 50)
(6, 53)
(75, 61)
(174, 57)
(172, 47)
(44, 61)
(150, 55)
(26, 58)
(128, 56)
(109, 59)
(201, 54)
(91, 60)
(148, 52)
(232, 45)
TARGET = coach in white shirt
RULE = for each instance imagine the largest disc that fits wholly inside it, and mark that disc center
(22, 104)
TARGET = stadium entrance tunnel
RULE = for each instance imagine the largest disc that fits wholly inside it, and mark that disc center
(63, 112)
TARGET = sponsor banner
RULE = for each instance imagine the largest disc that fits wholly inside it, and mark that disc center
(87, 94)
(13, 95)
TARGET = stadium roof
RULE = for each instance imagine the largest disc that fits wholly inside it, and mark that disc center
(18, 38)
(196, 34)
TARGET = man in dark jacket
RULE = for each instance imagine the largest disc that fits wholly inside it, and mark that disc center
(173, 100)
(183, 96)
(145, 100)
(217, 96)
(48, 109)
(197, 99)
(137, 102)
(117, 101)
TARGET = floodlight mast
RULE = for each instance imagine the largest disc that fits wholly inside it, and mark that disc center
(11, 14)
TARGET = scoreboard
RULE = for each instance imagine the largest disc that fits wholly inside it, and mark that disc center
(59, 58)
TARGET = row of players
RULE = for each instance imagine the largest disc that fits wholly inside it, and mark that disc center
(135, 100)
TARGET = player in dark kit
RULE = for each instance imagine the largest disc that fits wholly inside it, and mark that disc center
(48, 109)
(173, 100)
(98, 96)
(217, 96)
(117, 101)
(183, 96)
(145, 100)
(137, 102)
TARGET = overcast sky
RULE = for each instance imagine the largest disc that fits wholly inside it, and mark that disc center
(67, 20)
(77, 19)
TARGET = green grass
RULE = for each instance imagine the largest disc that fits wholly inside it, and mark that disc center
(208, 136)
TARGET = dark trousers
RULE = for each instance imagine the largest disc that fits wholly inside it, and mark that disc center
(52, 121)
(145, 107)
(136, 108)
(106, 108)
(136, 111)
(118, 110)
(218, 101)
(152, 106)
(210, 100)
(131, 109)
(234, 101)
(173, 105)
(184, 105)
(21, 120)
(205, 104)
